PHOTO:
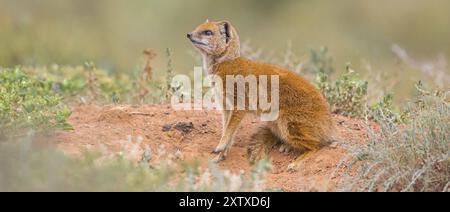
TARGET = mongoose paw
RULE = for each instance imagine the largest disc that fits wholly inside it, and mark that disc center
(219, 149)
(255, 154)
(252, 158)
(218, 158)
(284, 148)
(295, 166)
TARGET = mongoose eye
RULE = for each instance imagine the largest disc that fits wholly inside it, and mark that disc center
(207, 32)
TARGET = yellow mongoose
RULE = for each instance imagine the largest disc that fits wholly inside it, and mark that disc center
(304, 120)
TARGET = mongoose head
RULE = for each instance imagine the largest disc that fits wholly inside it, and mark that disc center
(216, 39)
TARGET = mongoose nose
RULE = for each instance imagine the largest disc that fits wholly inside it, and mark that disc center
(189, 35)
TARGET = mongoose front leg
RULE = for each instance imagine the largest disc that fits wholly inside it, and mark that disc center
(225, 116)
(233, 120)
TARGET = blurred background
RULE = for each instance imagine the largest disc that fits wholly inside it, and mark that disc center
(113, 33)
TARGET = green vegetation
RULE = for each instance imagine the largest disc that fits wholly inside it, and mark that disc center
(408, 150)
(113, 33)
(32, 99)
(27, 102)
(89, 84)
(410, 157)
(346, 95)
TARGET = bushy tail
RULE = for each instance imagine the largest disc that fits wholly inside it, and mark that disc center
(261, 143)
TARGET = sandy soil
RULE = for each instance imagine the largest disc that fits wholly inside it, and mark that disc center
(195, 134)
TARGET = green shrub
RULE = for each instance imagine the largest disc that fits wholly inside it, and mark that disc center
(384, 109)
(88, 84)
(347, 95)
(84, 84)
(408, 157)
(27, 102)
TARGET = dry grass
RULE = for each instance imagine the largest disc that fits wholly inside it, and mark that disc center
(410, 157)
(145, 76)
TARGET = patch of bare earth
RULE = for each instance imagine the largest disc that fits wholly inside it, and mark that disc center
(196, 133)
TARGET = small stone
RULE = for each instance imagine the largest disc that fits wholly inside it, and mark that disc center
(167, 128)
(356, 127)
(178, 155)
(184, 127)
(147, 155)
(334, 145)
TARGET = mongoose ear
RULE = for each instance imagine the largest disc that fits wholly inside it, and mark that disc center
(225, 30)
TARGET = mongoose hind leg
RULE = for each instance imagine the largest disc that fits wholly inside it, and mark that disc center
(301, 136)
(309, 147)
(233, 120)
(261, 143)
(299, 160)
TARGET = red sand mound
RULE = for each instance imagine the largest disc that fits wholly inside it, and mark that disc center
(195, 134)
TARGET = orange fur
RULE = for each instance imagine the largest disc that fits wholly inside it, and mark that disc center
(304, 119)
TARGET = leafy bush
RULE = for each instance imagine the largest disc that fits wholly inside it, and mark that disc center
(410, 157)
(89, 84)
(26, 169)
(384, 109)
(27, 102)
(347, 95)
(84, 83)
